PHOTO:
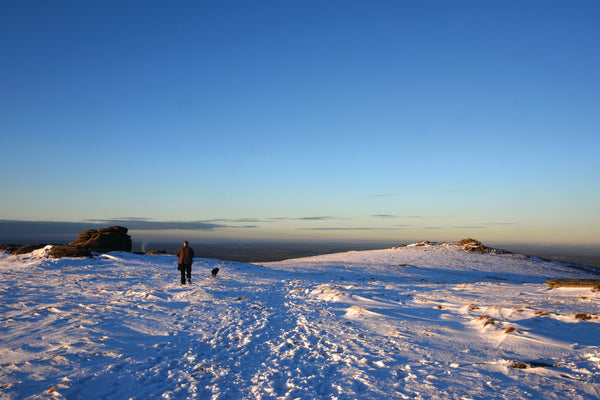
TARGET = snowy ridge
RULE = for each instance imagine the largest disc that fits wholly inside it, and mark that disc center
(427, 322)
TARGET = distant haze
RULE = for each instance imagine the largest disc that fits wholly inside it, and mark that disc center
(255, 250)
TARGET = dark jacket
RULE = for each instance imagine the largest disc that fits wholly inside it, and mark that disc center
(186, 255)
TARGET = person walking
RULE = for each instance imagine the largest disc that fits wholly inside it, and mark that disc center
(185, 257)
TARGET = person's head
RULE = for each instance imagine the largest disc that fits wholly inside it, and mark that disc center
(185, 243)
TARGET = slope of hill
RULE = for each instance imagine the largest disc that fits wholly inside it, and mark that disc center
(422, 322)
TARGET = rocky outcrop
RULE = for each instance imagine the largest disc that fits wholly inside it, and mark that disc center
(473, 246)
(9, 248)
(17, 249)
(28, 248)
(68, 250)
(155, 252)
(113, 238)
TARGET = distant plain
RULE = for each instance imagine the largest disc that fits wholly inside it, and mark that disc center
(267, 251)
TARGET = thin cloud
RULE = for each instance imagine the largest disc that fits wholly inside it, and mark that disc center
(313, 218)
(255, 220)
(15, 228)
(316, 218)
(148, 225)
(238, 220)
(126, 219)
(270, 220)
(347, 229)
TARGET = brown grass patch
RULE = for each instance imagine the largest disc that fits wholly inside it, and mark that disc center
(573, 283)
(488, 320)
(518, 364)
(530, 364)
(583, 316)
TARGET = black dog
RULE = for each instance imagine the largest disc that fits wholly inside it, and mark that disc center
(214, 272)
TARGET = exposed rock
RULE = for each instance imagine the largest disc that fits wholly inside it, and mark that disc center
(28, 248)
(9, 248)
(518, 364)
(113, 238)
(155, 252)
(530, 364)
(68, 250)
(473, 246)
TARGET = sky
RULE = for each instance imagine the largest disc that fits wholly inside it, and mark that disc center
(303, 120)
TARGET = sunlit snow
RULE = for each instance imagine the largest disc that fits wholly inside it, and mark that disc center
(416, 322)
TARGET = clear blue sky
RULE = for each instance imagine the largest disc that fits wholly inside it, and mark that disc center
(342, 120)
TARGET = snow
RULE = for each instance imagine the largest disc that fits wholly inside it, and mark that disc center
(417, 322)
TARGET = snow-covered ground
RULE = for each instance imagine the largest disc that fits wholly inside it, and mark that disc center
(417, 322)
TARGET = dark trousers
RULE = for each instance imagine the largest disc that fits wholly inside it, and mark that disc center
(185, 269)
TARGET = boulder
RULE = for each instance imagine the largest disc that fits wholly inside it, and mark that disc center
(104, 240)
(68, 250)
(473, 246)
(155, 252)
(113, 238)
